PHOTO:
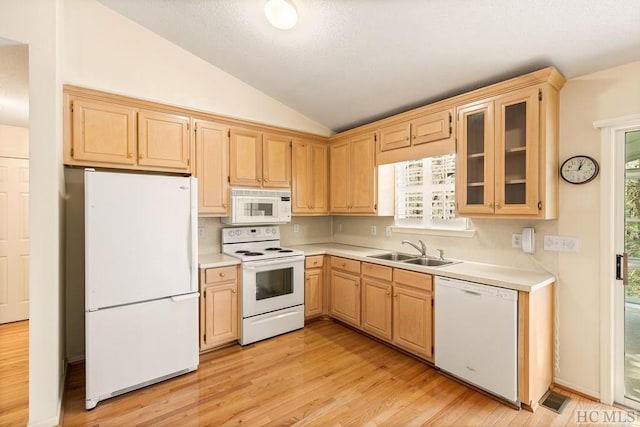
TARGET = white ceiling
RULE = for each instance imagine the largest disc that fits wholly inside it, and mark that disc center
(348, 62)
(14, 83)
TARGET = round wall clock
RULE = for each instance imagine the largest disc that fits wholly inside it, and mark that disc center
(579, 169)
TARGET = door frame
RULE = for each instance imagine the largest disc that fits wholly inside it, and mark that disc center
(611, 293)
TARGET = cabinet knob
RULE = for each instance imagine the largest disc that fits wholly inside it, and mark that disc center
(490, 204)
(129, 155)
(413, 136)
(141, 156)
(315, 262)
(406, 138)
(266, 180)
(233, 291)
(388, 292)
(221, 274)
(357, 284)
(395, 295)
(498, 205)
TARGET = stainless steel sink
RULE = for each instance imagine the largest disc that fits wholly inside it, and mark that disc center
(429, 262)
(394, 256)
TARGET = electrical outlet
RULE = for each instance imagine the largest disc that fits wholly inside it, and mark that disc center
(296, 228)
(387, 231)
(374, 230)
(516, 240)
(561, 243)
(201, 231)
(339, 227)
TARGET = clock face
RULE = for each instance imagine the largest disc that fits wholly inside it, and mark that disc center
(579, 169)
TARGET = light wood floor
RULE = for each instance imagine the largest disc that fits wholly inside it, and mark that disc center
(14, 373)
(323, 375)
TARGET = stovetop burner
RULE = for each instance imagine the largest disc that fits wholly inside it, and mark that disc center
(273, 249)
(285, 250)
(253, 253)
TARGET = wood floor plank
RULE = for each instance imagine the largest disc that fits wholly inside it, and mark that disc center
(322, 375)
(14, 373)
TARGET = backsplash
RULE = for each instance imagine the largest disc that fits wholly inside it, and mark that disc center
(311, 229)
(491, 243)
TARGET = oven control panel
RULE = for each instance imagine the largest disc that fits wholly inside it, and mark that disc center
(250, 234)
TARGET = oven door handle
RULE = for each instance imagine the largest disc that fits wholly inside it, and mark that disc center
(253, 265)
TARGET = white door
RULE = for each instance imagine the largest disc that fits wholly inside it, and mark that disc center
(14, 239)
(627, 292)
(139, 237)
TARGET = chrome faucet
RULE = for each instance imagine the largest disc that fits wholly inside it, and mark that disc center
(422, 248)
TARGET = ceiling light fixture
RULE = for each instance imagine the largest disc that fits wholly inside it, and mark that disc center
(281, 14)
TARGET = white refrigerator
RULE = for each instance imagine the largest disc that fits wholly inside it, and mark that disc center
(141, 291)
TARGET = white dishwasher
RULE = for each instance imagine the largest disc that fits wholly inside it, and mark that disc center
(476, 335)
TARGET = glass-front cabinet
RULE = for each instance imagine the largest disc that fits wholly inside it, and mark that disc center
(498, 153)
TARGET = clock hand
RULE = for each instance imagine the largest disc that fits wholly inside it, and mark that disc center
(581, 163)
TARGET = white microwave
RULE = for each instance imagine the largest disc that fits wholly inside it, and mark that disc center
(257, 206)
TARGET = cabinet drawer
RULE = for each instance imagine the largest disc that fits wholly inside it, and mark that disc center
(411, 278)
(345, 264)
(314, 261)
(219, 275)
(378, 271)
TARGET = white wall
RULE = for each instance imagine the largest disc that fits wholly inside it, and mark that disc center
(604, 95)
(107, 51)
(35, 23)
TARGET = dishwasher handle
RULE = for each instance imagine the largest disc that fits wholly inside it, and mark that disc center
(478, 294)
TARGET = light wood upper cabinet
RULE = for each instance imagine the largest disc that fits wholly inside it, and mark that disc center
(212, 167)
(309, 165)
(353, 175)
(424, 136)
(259, 160)
(102, 133)
(163, 140)
(245, 158)
(507, 155)
(276, 161)
(218, 306)
(109, 134)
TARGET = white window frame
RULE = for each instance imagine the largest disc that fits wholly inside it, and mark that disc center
(438, 176)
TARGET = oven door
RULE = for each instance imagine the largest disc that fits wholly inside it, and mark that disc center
(272, 285)
(255, 210)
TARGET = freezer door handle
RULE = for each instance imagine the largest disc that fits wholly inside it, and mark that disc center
(185, 297)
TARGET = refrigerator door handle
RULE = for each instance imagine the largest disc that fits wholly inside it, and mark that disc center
(185, 297)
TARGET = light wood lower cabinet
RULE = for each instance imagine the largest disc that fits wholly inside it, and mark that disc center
(376, 300)
(344, 290)
(218, 306)
(313, 286)
(413, 312)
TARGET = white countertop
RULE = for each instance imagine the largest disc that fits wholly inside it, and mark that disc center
(216, 260)
(488, 274)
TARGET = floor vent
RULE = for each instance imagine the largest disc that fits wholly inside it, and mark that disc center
(554, 401)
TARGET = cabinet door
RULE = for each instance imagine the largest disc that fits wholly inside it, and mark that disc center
(301, 178)
(220, 320)
(245, 158)
(395, 136)
(319, 167)
(517, 150)
(339, 176)
(345, 297)
(376, 308)
(103, 132)
(475, 171)
(163, 140)
(212, 167)
(431, 128)
(313, 279)
(412, 320)
(276, 161)
(362, 174)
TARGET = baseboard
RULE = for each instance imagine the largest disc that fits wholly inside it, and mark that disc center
(589, 394)
(56, 420)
